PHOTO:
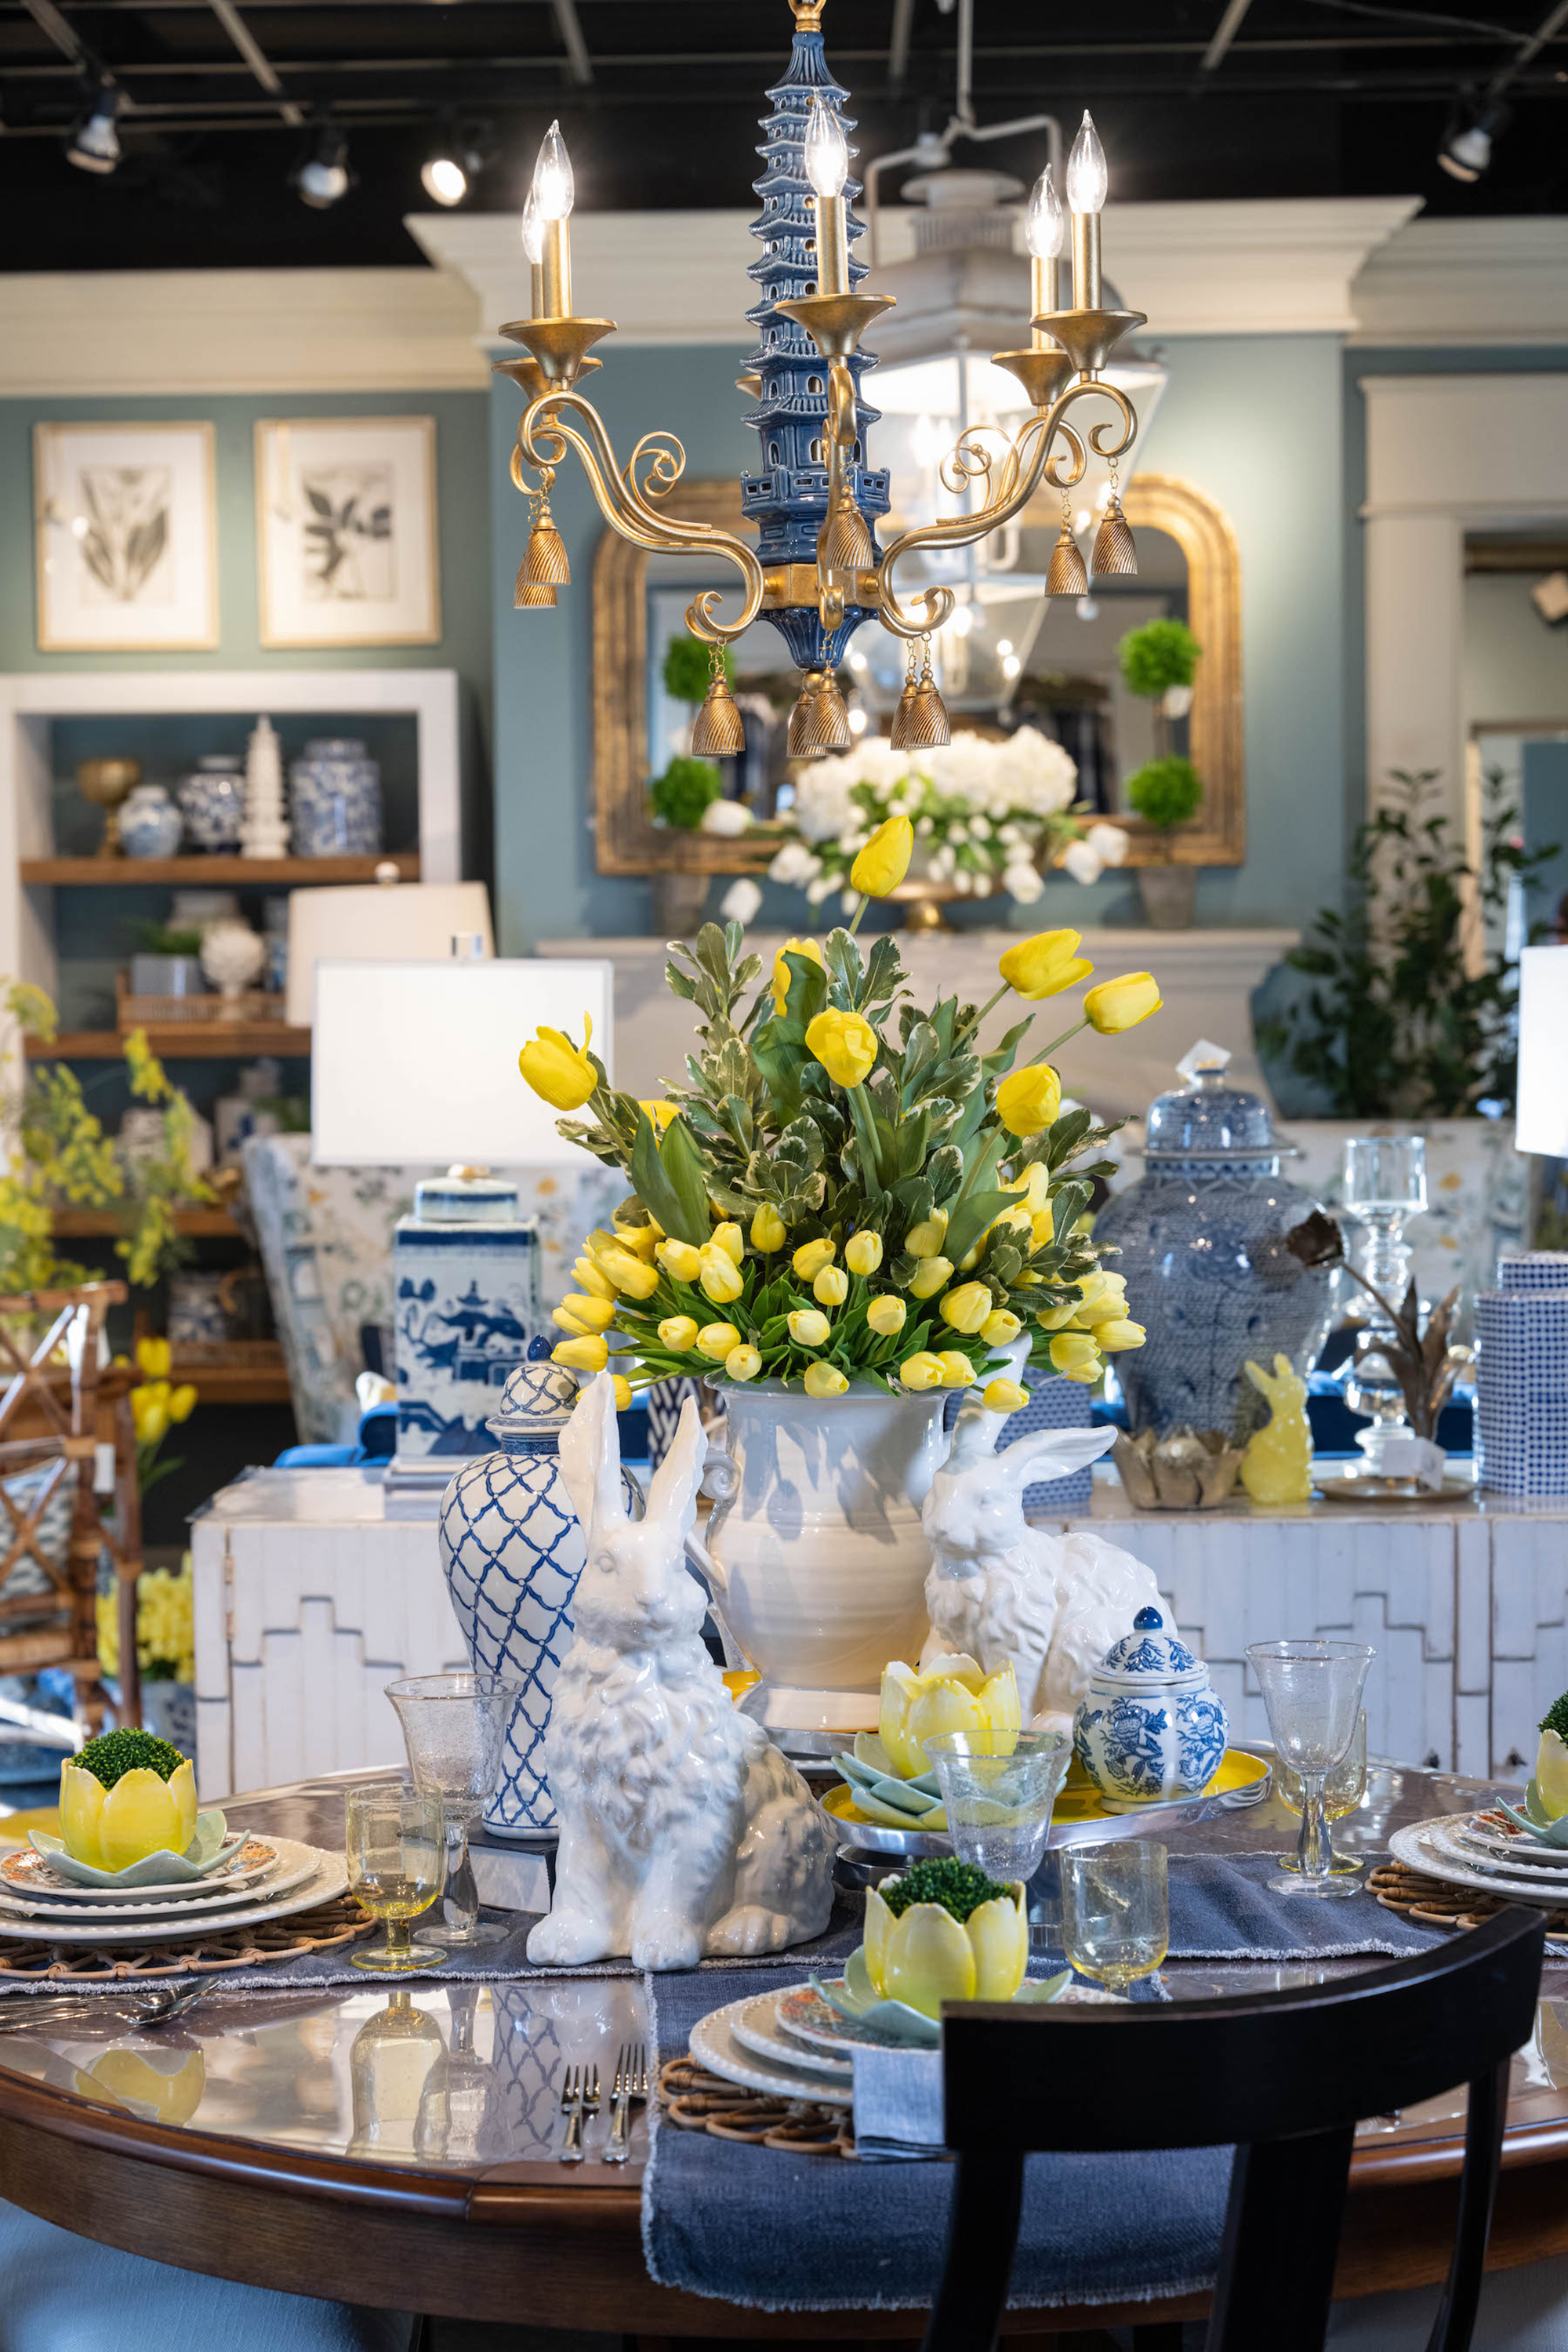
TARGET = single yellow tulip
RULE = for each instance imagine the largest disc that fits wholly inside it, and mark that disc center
(781, 978)
(1042, 1227)
(930, 1276)
(564, 1320)
(811, 1258)
(925, 1239)
(1070, 1351)
(863, 1252)
(592, 1314)
(679, 1260)
(955, 1694)
(1123, 1002)
(717, 1340)
(831, 1286)
(182, 1402)
(742, 1364)
(631, 1278)
(643, 1241)
(585, 1355)
(920, 1371)
(1115, 1339)
(957, 1371)
(887, 1316)
(155, 1358)
(1003, 1396)
(720, 1278)
(659, 1114)
(153, 1423)
(678, 1333)
(558, 1071)
(825, 1380)
(623, 1391)
(1001, 1327)
(1044, 965)
(142, 1813)
(882, 865)
(807, 1329)
(966, 1308)
(769, 1230)
(728, 1238)
(1028, 1100)
(845, 1043)
(923, 1955)
(589, 1278)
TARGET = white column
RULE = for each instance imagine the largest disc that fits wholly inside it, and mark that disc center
(1414, 624)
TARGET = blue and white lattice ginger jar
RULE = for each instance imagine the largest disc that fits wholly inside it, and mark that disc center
(1151, 1727)
(335, 794)
(512, 1552)
(1201, 1240)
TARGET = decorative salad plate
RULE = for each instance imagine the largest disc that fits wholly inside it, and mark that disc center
(1079, 1816)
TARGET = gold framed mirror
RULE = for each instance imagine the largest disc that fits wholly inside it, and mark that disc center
(1197, 541)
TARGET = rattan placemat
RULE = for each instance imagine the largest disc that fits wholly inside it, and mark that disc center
(235, 1947)
(1434, 1903)
(693, 2100)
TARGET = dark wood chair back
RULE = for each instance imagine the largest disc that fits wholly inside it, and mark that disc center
(1284, 2077)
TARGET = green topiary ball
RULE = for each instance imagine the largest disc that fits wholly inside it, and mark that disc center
(689, 665)
(684, 790)
(1164, 792)
(1160, 654)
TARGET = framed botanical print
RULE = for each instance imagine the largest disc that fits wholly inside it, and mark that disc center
(345, 531)
(126, 518)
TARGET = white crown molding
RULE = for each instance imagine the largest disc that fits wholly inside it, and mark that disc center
(237, 330)
(1467, 282)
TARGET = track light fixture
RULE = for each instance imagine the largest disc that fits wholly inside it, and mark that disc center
(94, 145)
(322, 175)
(448, 172)
(1467, 148)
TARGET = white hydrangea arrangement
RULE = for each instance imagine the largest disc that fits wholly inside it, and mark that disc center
(985, 815)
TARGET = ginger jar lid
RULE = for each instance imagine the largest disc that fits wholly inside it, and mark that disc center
(1209, 1119)
(1151, 1655)
(537, 1401)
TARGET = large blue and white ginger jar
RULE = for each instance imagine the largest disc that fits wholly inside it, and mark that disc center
(512, 1552)
(1151, 1727)
(150, 827)
(1201, 1242)
(211, 805)
(335, 798)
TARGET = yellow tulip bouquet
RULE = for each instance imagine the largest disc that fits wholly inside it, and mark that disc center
(157, 1404)
(847, 1188)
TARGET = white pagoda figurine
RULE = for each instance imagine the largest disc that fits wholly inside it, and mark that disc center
(265, 833)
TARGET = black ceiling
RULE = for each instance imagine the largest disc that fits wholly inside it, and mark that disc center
(659, 101)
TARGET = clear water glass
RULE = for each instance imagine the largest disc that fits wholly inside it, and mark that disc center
(392, 1839)
(997, 1789)
(1313, 1691)
(1344, 1790)
(454, 1728)
(1116, 1918)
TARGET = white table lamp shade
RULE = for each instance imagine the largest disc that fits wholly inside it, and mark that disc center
(1542, 1112)
(406, 921)
(415, 1064)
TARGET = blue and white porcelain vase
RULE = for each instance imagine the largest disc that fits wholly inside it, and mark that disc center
(466, 1281)
(212, 802)
(150, 823)
(1151, 1727)
(512, 1552)
(335, 795)
(1201, 1240)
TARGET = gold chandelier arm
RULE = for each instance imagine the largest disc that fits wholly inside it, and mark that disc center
(543, 440)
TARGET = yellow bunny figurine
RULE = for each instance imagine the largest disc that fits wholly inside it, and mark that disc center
(1277, 1467)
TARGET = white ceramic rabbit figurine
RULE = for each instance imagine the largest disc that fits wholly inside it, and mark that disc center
(683, 1831)
(1000, 1589)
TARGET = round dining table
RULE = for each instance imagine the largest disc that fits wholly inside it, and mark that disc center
(396, 2143)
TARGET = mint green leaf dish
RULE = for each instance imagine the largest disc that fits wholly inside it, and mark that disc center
(894, 2023)
(210, 1845)
(1535, 1821)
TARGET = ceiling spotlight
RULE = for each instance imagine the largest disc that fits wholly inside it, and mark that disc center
(1467, 148)
(455, 162)
(94, 145)
(442, 178)
(1550, 598)
(323, 173)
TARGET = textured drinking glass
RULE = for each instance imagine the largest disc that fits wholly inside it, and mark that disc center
(1383, 1181)
(1116, 1920)
(453, 1727)
(998, 1788)
(392, 1836)
(1344, 1790)
(1313, 1691)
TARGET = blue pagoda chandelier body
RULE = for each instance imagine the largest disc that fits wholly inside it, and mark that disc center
(816, 569)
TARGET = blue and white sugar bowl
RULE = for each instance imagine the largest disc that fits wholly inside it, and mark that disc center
(1151, 1727)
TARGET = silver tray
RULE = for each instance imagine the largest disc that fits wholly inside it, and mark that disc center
(853, 1838)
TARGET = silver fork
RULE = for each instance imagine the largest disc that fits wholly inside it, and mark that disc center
(572, 2108)
(631, 2084)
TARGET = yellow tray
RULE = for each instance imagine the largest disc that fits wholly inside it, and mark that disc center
(1078, 1812)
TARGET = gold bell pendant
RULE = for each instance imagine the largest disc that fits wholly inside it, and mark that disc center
(846, 545)
(717, 731)
(545, 564)
(819, 722)
(528, 594)
(899, 731)
(1065, 573)
(927, 726)
(1114, 549)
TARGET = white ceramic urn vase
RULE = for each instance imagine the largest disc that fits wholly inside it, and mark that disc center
(818, 1541)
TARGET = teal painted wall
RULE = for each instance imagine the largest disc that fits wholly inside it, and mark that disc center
(1257, 424)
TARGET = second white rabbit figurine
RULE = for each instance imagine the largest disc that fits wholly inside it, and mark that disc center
(1000, 1589)
(684, 1831)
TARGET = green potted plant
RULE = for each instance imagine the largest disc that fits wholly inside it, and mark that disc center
(1159, 662)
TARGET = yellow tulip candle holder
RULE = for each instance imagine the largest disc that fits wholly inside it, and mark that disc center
(124, 1798)
(945, 1931)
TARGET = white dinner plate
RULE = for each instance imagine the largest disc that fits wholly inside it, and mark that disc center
(1456, 1837)
(292, 1865)
(1418, 1848)
(330, 1879)
(1482, 1831)
(29, 1878)
(714, 2045)
(755, 2025)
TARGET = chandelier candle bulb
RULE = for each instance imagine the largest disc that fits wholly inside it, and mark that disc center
(551, 196)
(1087, 188)
(1045, 230)
(828, 168)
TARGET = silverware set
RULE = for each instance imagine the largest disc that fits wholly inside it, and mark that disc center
(580, 2103)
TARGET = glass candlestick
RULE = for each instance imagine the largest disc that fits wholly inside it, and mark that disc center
(1383, 1183)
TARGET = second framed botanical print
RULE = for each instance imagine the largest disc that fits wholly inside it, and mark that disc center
(345, 526)
(127, 538)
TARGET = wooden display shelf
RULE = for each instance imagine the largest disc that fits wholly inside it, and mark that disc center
(188, 1041)
(236, 1384)
(196, 1224)
(259, 873)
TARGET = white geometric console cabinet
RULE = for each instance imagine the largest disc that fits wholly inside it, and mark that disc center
(308, 1600)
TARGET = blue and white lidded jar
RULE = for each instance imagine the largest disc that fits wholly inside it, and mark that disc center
(1151, 1727)
(212, 802)
(335, 796)
(512, 1552)
(150, 827)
